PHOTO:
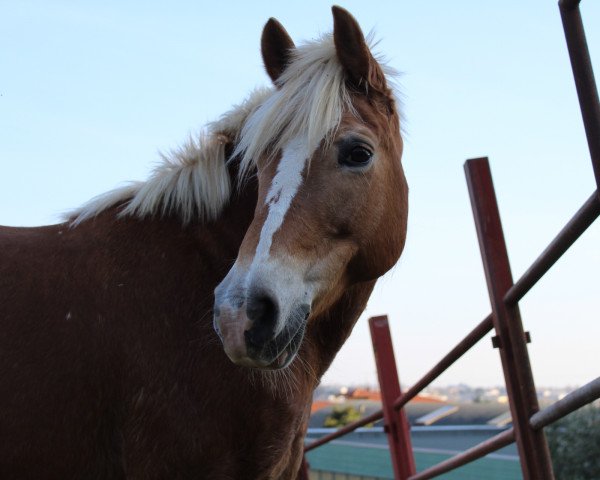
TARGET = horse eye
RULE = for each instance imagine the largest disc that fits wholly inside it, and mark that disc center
(357, 157)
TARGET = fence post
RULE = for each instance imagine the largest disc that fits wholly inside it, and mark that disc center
(396, 423)
(510, 338)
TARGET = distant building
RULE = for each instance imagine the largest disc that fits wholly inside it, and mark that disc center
(439, 430)
(459, 414)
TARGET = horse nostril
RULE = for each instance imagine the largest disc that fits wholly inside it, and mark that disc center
(262, 311)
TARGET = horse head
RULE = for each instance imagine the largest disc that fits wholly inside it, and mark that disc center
(332, 196)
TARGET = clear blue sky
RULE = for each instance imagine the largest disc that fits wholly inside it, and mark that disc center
(89, 92)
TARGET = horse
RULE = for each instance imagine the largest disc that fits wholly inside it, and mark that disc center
(177, 327)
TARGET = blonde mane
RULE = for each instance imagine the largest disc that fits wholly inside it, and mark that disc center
(309, 102)
(193, 181)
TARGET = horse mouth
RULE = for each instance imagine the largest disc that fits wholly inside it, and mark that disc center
(275, 354)
(289, 351)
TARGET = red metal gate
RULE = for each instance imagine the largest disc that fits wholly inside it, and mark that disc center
(510, 339)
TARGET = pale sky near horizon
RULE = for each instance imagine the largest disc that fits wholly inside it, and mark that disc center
(90, 92)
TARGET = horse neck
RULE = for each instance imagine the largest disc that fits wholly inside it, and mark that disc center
(202, 252)
(327, 333)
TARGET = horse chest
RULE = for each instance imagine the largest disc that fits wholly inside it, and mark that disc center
(233, 437)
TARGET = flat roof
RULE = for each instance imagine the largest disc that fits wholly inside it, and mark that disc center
(375, 461)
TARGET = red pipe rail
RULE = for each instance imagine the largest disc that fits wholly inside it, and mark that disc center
(458, 351)
(574, 400)
(396, 424)
(463, 347)
(583, 73)
(488, 446)
(505, 319)
(584, 217)
(511, 340)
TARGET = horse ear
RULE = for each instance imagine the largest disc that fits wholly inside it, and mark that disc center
(353, 52)
(276, 47)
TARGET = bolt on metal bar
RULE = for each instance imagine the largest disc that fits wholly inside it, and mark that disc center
(532, 446)
(458, 351)
(488, 446)
(573, 401)
(578, 224)
(585, 83)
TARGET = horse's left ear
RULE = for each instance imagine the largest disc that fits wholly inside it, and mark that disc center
(353, 52)
(276, 46)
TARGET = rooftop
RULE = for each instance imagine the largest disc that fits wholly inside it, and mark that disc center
(373, 461)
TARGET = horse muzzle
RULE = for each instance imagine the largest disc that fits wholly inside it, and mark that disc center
(256, 331)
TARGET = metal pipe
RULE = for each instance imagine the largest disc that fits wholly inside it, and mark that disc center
(568, 4)
(488, 446)
(584, 217)
(397, 427)
(415, 428)
(511, 339)
(458, 351)
(471, 339)
(574, 400)
(585, 83)
(378, 415)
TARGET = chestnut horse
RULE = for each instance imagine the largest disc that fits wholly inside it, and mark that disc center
(176, 328)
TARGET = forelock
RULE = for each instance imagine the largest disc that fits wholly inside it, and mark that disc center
(309, 102)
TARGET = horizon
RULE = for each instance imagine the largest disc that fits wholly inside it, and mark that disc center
(91, 93)
(375, 386)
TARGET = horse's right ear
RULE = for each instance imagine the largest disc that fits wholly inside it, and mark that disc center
(353, 52)
(276, 47)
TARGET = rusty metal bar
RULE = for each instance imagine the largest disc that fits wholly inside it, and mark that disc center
(532, 446)
(397, 427)
(584, 78)
(568, 4)
(584, 217)
(488, 446)
(378, 415)
(573, 401)
(458, 351)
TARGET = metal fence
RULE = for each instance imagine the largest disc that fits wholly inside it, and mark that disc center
(510, 339)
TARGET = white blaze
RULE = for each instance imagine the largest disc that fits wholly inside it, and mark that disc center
(285, 185)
